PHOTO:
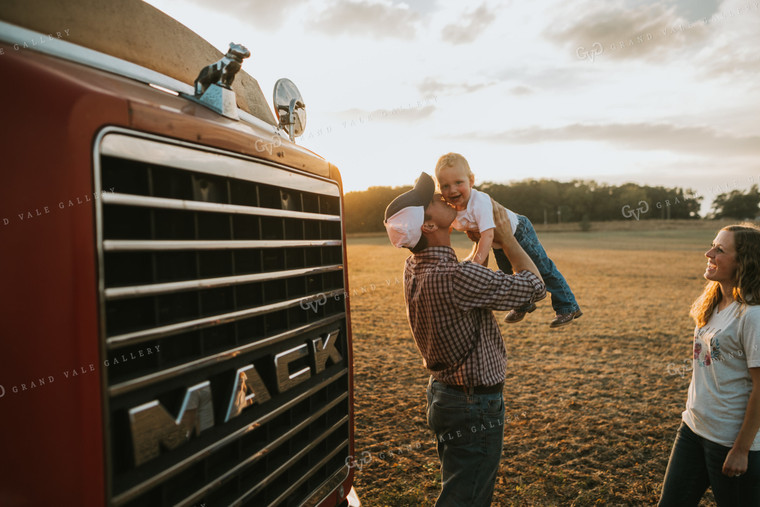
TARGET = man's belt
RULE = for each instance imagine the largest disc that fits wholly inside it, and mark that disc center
(496, 388)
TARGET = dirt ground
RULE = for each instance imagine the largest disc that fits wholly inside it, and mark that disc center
(591, 409)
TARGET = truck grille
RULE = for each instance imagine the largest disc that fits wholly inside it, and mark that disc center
(223, 323)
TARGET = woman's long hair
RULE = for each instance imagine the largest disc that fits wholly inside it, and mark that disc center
(747, 287)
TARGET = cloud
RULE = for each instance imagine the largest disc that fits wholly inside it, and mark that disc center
(470, 26)
(379, 20)
(431, 86)
(521, 90)
(264, 15)
(734, 65)
(524, 80)
(653, 32)
(406, 113)
(694, 10)
(733, 54)
(637, 136)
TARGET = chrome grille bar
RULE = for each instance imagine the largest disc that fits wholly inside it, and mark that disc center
(116, 293)
(115, 245)
(208, 162)
(292, 460)
(169, 373)
(182, 204)
(266, 450)
(320, 464)
(159, 332)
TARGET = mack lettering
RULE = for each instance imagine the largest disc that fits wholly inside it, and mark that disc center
(154, 428)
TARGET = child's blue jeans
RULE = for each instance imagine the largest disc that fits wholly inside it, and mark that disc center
(563, 300)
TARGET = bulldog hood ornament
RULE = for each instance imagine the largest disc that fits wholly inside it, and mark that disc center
(213, 84)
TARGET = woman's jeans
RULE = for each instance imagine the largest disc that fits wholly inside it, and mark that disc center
(563, 300)
(696, 463)
(469, 430)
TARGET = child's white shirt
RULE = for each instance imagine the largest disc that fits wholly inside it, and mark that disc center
(478, 216)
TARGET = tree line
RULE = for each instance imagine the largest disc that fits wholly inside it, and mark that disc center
(550, 201)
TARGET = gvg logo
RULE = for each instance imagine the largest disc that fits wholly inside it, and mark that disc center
(315, 302)
(596, 50)
(681, 370)
(629, 212)
(263, 146)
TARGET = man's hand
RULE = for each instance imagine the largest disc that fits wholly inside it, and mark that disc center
(512, 249)
(503, 225)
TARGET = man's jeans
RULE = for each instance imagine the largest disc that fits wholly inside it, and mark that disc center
(563, 300)
(469, 429)
(696, 463)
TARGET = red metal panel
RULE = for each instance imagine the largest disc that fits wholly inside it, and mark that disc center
(52, 433)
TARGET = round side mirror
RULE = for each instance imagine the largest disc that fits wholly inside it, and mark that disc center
(290, 107)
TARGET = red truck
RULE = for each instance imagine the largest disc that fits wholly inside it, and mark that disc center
(175, 327)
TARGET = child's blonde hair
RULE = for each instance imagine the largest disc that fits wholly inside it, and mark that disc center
(450, 160)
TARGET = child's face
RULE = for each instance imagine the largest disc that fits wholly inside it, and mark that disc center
(455, 185)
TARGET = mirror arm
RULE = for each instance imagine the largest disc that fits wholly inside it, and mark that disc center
(290, 110)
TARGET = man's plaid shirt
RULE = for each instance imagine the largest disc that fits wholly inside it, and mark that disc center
(449, 305)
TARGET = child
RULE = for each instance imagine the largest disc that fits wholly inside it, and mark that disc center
(475, 213)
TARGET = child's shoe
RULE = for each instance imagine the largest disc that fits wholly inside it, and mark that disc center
(563, 319)
(517, 314)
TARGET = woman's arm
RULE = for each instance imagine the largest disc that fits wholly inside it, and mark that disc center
(736, 460)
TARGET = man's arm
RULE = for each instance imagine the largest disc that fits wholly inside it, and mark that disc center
(503, 234)
(475, 286)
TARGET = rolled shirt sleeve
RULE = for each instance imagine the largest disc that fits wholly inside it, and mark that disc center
(476, 286)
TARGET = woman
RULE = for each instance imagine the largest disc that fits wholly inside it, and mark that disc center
(718, 444)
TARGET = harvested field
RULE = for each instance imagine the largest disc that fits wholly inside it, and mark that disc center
(591, 409)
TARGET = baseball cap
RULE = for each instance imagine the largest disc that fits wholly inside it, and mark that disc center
(405, 215)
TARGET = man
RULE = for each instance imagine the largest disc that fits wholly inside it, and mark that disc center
(449, 306)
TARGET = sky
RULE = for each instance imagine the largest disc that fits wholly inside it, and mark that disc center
(651, 92)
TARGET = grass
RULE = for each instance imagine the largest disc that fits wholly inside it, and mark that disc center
(592, 408)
